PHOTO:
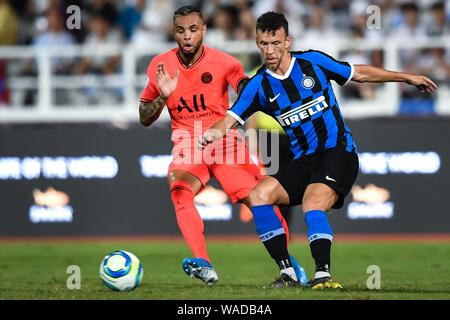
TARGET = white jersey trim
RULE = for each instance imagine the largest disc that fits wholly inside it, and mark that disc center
(234, 115)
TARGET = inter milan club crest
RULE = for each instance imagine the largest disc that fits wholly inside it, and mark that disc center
(308, 82)
(206, 77)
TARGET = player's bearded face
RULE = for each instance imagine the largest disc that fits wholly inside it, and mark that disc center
(189, 31)
(273, 46)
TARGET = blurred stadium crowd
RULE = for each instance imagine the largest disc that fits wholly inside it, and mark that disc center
(142, 22)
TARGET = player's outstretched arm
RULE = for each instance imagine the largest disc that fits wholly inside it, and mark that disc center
(217, 131)
(366, 73)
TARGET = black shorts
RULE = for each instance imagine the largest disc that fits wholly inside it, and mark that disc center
(335, 167)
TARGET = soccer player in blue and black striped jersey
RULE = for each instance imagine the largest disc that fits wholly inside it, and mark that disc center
(295, 88)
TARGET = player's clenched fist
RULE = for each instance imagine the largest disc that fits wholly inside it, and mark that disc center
(209, 136)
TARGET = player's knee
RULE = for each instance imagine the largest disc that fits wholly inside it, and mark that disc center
(259, 196)
(318, 201)
(181, 193)
(318, 197)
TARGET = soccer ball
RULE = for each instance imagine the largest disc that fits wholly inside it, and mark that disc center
(121, 271)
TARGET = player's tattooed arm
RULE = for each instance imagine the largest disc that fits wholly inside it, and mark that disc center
(149, 111)
(366, 73)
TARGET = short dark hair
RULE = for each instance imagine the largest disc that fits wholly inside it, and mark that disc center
(439, 5)
(271, 22)
(407, 6)
(187, 10)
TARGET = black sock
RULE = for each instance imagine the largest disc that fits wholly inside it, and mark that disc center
(320, 251)
(277, 248)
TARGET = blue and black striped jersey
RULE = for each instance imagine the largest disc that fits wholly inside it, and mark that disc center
(302, 101)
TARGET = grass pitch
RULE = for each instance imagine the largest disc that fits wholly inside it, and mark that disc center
(408, 271)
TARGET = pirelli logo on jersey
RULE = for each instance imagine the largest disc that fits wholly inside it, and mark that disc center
(302, 112)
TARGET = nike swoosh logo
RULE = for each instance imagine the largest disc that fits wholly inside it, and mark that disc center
(274, 98)
(330, 179)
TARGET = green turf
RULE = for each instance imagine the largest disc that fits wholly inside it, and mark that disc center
(408, 271)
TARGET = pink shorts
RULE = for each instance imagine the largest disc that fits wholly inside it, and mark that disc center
(237, 177)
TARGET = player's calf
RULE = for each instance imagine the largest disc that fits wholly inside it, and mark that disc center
(188, 218)
(273, 236)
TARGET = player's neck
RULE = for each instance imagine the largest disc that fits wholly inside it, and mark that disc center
(188, 61)
(284, 64)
